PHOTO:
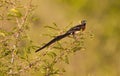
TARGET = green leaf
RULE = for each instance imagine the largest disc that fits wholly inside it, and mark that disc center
(14, 13)
(52, 54)
(55, 24)
(75, 49)
(56, 71)
(2, 34)
(63, 70)
(5, 53)
(66, 59)
(51, 27)
(58, 48)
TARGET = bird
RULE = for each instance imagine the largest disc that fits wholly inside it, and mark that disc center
(71, 31)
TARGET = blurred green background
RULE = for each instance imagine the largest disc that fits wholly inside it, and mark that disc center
(102, 54)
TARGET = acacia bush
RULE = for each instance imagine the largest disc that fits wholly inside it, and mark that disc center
(17, 51)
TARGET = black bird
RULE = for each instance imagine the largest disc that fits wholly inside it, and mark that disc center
(72, 31)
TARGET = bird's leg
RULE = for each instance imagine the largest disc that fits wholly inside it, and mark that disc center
(74, 36)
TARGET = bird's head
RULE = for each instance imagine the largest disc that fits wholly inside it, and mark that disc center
(83, 22)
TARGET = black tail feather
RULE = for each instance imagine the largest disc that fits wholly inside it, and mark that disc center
(57, 38)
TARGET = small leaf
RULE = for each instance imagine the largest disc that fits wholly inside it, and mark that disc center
(55, 24)
(58, 48)
(5, 53)
(66, 59)
(14, 13)
(56, 71)
(75, 49)
(2, 34)
(63, 70)
(51, 27)
(52, 54)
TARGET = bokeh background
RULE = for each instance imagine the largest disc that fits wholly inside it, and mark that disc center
(101, 56)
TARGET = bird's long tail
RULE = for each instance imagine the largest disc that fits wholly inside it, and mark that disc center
(57, 38)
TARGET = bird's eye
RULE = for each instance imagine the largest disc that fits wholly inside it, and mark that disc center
(83, 21)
